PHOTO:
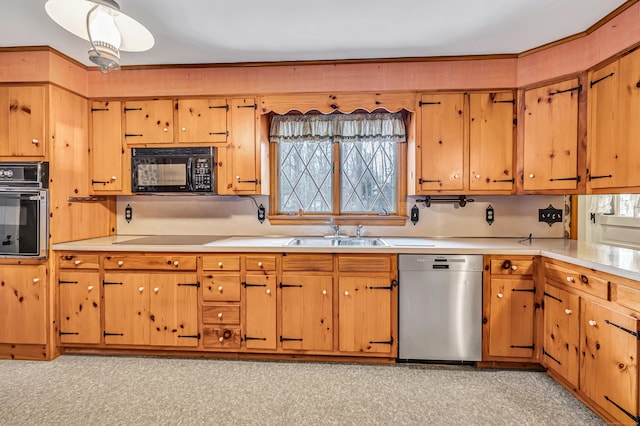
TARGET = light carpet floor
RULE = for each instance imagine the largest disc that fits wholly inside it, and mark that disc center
(101, 390)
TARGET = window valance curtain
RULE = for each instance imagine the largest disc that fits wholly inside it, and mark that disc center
(384, 127)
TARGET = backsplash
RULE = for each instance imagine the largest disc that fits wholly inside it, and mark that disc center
(515, 216)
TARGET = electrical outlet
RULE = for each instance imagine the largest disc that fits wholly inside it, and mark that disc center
(415, 214)
(128, 213)
(261, 213)
(489, 215)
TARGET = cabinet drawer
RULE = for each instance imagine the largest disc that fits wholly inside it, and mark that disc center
(364, 264)
(579, 278)
(511, 266)
(221, 337)
(626, 296)
(221, 314)
(221, 288)
(260, 263)
(308, 262)
(224, 262)
(162, 263)
(82, 261)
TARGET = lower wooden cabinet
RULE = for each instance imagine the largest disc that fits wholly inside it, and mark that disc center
(260, 311)
(79, 305)
(23, 309)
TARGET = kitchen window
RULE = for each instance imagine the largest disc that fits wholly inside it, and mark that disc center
(338, 164)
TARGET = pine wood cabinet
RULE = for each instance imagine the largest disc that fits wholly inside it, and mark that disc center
(79, 306)
(202, 120)
(22, 121)
(551, 143)
(23, 309)
(260, 311)
(613, 128)
(509, 308)
(148, 122)
(107, 154)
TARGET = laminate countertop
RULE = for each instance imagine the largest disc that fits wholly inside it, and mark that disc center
(614, 260)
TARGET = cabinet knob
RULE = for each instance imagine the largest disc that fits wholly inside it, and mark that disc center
(176, 263)
(500, 295)
(237, 177)
(156, 289)
(268, 291)
(571, 279)
(221, 339)
(259, 264)
(346, 293)
(114, 177)
(35, 280)
(120, 263)
(477, 176)
(165, 129)
(514, 267)
(324, 292)
(592, 323)
(568, 311)
(220, 288)
(219, 264)
(184, 129)
(531, 175)
(220, 315)
(77, 262)
(35, 141)
(89, 287)
(456, 176)
(140, 289)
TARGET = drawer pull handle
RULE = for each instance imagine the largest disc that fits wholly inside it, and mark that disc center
(500, 295)
(571, 279)
(324, 292)
(220, 315)
(140, 289)
(346, 293)
(120, 263)
(156, 289)
(259, 264)
(35, 280)
(568, 311)
(592, 323)
(221, 339)
(514, 267)
(220, 288)
(35, 141)
(176, 263)
(219, 264)
(184, 129)
(90, 287)
(456, 176)
(531, 175)
(77, 262)
(268, 291)
(477, 176)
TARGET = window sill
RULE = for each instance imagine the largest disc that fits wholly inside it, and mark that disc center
(369, 220)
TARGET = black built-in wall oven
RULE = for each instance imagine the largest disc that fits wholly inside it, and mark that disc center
(24, 209)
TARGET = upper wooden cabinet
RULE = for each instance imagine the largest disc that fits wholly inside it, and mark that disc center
(613, 158)
(148, 122)
(550, 143)
(106, 148)
(466, 143)
(202, 120)
(22, 121)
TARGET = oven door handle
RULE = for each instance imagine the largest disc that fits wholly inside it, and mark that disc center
(22, 196)
(190, 174)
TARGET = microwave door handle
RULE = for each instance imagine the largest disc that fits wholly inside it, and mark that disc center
(189, 174)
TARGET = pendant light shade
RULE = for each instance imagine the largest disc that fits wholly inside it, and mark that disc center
(102, 24)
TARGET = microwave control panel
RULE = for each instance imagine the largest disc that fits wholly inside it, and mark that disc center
(202, 175)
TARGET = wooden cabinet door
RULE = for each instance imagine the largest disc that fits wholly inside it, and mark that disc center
(306, 314)
(173, 309)
(202, 120)
(80, 301)
(491, 141)
(627, 159)
(561, 337)
(106, 147)
(22, 121)
(23, 307)
(148, 122)
(441, 143)
(511, 317)
(609, 360)
(242, 155)
(126, 308)
(260, 311)
(551, 137)
(365, 314)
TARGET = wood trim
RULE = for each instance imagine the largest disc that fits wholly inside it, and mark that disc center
(26, 352)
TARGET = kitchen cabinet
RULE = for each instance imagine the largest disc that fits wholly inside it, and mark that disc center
(221, 313)
(23, 309)
(79, 300)
(260, 302)
(510, 308)
(107, 154)
(22, 121)
(202, 120)
(367, 304)
(550, 142)
(614, 105)
(148, 122)
(239, 161)
(561, 337)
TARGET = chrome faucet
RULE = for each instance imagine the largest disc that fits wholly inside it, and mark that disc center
(335, 228)
(358, 230)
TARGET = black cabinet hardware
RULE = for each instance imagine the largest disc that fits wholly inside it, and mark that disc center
(245, 285)
(190, 336)
(254, 106)
(634, 418)
(219, 106)
(421, 181)
(226, 133)
(550, 357)
(384, 342)
(111, 283)
(523, 347)
(510, 101)
(66, 333)
(130, 135)
(594, 82)
(246, 338)
(256, 181)
(289, 339)
(552, 296)
(67, 282)
(576, 178)
(626, 330)
(132, 109)
(290, 285)
(113, 334)
(190, 285)
(99, 109)
(512, 180)
(600, 177)
(428, 103)
(524, 290)
(577, 88)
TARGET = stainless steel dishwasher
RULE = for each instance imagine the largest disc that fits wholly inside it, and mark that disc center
(440, 311)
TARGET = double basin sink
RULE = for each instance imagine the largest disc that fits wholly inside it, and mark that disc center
(341, 241)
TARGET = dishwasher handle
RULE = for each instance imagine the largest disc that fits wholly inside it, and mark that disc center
(440, 266)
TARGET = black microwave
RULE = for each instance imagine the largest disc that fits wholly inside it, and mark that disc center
(173, 170)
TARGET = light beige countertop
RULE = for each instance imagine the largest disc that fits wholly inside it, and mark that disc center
(613, 260)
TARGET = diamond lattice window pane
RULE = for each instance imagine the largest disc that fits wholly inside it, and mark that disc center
(368, 177)
(305, 179)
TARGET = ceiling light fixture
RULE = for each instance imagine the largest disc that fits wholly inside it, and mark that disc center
(102, 24)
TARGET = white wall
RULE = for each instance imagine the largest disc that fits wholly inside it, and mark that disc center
(515, 216)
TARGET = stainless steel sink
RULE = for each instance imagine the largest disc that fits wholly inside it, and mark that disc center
(336, 242)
